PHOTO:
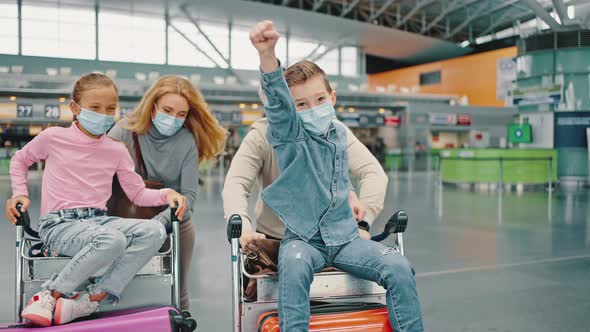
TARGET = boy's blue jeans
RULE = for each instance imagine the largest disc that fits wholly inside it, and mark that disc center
(299, 260)
(95, 240)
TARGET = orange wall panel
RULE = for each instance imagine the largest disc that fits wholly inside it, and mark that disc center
(472, 75)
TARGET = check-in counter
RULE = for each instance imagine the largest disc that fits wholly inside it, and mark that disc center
(498, 166)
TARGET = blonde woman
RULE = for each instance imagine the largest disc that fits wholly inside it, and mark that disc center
(175, 131)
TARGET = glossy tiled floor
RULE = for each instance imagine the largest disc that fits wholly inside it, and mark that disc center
(485, 262)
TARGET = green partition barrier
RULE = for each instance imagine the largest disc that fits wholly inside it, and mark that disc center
(526, 166)
(394, 161)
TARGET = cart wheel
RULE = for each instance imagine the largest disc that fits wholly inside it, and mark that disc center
(186, 314)
(190, 325)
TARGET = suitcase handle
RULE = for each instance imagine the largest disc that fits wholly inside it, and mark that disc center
(330, 308)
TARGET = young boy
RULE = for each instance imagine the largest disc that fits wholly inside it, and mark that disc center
(311, 194)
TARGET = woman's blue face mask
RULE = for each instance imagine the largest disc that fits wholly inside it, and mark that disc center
(167, 125)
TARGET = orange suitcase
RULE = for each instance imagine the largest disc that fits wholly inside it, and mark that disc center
(347, 317)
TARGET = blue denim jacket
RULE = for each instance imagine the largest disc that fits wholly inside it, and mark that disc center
(311, 193)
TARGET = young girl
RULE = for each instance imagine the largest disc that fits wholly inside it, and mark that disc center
(169, 121)
(80, 164)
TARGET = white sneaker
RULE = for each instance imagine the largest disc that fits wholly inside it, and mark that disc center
(66, 310)
(39, 310)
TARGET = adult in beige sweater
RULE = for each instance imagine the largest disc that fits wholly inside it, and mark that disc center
(255, 160)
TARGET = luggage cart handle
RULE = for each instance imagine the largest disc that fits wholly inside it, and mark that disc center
(25, 221)
(396, 224)
(234, 232)
(173, 216)
(234, 227)
(175, 249)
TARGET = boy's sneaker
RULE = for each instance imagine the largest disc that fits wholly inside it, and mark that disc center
(39, 310)
(66, 310)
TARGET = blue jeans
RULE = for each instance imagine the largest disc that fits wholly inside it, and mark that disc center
(95, 240)
(299, 260)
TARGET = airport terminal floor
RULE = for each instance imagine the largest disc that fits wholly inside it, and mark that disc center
(484, 261)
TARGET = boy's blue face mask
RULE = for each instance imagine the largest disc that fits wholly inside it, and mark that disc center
(167, 125)
(317, 120)
(94, 122)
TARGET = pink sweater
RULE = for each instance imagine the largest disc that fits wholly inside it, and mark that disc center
(79, 171)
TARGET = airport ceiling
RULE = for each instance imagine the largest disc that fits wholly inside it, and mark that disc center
(410, 31)
(450, 20)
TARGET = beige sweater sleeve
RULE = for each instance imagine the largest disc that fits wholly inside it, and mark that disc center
(243, 172)
(373, 180)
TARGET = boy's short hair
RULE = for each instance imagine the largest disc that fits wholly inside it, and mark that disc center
(303, 71)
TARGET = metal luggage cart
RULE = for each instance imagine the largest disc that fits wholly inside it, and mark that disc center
(161, 275)
(331, 287)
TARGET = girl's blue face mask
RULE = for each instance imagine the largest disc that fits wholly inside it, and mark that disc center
(317, 120)
(94, 122)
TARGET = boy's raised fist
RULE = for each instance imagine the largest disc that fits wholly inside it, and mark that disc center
(264, 37)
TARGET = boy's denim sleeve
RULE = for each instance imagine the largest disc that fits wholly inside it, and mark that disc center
(283, 123)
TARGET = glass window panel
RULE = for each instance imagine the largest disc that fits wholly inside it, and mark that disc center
(182, 53)
(131, 37)
(8, 45)
(299, 49)
(51, 28)
(329, 62)
(244, 55)
(8, 27)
